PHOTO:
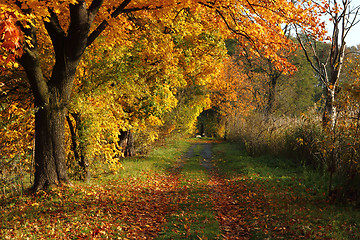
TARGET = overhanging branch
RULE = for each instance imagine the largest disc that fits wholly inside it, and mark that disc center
(105, 23)
(55, 31)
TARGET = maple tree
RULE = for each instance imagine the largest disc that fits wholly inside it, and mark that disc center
(265, 73)
(202, 54)
(231, 95)
(65, 29)
(232, 89)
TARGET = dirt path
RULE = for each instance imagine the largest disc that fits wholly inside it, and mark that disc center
(207, 193)
(226, 208)
(206, 155)
(195, 217)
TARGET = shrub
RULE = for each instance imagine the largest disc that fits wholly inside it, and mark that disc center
(276, 135)
(304, 140)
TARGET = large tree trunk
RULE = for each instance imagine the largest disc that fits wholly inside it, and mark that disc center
(52, 94)
(50, 166)
(50, 157)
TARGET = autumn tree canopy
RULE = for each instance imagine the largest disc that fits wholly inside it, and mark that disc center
(54, 36)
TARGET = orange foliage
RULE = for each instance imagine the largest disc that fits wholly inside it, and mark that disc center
(10, 37)
(232, 90)
(256, 23)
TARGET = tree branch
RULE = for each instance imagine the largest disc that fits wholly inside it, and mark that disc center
(105, 23)
(94, 8)
(317, 70)
(55, 32)
(225, 21)
(30, 61)
(78, 30)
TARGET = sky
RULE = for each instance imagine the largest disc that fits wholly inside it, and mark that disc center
(353, 37)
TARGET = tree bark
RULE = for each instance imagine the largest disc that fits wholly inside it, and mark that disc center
(74, 139)
(79, 148)
(84, 160)
(330, 111)
(126, 143)
(50, 167)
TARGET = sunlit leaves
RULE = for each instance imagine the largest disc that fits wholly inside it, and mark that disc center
(258, 21)
(130, 208)
(169, 52)
(232, 89)
(10, 37)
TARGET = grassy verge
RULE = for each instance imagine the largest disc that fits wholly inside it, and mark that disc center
(159, 160)
(132, 204)
(278, 200)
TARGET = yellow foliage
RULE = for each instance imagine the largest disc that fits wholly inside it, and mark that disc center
(232, 90)
(165, 58)
(17, 132)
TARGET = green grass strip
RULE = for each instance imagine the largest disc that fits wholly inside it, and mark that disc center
(159, 160)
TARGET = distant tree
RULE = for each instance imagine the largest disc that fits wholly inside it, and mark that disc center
(299, 91)
(343, 17)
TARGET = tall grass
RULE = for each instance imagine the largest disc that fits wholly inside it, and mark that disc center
(275, 135)
(305, 142)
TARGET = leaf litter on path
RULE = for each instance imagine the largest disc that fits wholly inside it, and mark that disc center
(192, 201)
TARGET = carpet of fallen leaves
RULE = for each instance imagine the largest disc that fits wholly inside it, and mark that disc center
(149, 206)
(131, 209)
(261, 209)
(194, 219)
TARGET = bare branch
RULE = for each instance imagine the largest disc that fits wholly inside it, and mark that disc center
(316, 69)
